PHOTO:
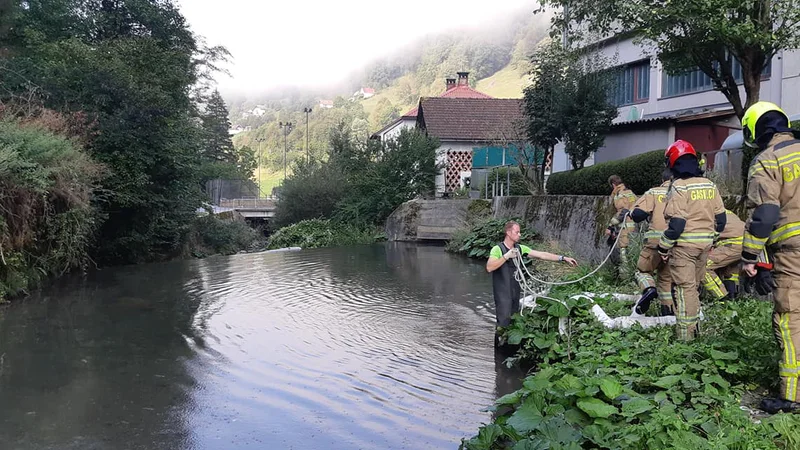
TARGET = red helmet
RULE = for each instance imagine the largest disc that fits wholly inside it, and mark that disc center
(678, 149)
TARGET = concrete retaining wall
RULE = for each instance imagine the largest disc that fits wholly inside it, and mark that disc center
(419, 220)
(576, 222)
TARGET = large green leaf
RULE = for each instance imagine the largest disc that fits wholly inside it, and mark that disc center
(668, 381)
(595, 407)
(610, 387)
(532, 443)
(526, 418)
(636, 406)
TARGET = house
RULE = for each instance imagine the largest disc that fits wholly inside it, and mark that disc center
(258, 111)
(475, 134)
(454, 88)
(656, 108)
(327, 104)
(367, 92)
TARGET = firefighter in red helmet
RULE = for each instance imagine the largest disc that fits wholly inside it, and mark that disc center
(695, 217)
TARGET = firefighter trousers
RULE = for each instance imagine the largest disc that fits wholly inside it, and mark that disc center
(723, 259)
(786, 318)
(687, 265)
(650, 263)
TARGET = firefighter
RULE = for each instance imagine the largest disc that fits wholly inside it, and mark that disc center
(773, 198)
(694, 213)
(650, 206)
(724, 257)
(623, 199)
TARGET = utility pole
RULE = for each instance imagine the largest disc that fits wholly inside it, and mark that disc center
(287, 128)
(260, 156)
(308, 153)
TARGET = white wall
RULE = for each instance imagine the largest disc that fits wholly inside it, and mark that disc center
(441, 159)
(399, 126)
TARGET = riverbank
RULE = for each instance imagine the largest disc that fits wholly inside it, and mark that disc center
(639, 388)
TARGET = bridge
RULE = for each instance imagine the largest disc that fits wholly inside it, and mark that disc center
(251, 208)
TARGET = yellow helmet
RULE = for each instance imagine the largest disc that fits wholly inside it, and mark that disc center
(751, 117)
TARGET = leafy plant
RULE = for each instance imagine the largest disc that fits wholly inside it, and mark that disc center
(478, 242)
(316, 233)
(637, 388)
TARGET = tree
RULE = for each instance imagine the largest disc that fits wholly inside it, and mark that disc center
(217, 144)
(384, 113)
(569, 101)
(704, 34)
(588, 113)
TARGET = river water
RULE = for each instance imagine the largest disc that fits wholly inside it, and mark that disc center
(374, 347)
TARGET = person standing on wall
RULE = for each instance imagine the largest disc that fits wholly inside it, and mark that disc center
(695, 216)
(623, 200)
(771, 246)
(505, 287)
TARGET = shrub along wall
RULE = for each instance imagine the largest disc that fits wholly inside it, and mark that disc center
(640, 173)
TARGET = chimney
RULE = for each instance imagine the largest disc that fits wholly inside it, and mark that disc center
(463, 78)
(451, 83)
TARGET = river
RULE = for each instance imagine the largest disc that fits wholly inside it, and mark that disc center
(385, 346)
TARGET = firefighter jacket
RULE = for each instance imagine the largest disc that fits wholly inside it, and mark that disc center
(651, 206)
(773, 194)
(623, 199)
(733, 232)
(694, 213)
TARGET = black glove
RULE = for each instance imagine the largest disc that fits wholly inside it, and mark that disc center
(763, 282)
(613, 236)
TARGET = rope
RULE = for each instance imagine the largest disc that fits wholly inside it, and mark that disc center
(523, 282)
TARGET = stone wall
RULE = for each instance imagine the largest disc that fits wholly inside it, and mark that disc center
(419, 220)
(576, 222)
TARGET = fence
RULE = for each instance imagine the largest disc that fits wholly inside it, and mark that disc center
(219, 190)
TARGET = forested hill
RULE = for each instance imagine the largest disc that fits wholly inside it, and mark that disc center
(495, 54)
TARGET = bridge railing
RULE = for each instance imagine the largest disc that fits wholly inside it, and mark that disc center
(248, 203)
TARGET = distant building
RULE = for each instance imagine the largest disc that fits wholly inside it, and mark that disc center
(326, 104)
(236, 129)
(258, 111)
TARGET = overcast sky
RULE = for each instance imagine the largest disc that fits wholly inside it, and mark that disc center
(290, 42)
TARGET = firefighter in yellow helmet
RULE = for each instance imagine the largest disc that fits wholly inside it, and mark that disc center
(650, 206)
(773, 200)
(695, 215)
(725, 257)
(623, 200)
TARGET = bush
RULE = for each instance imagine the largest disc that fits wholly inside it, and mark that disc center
(213, 235)
(638, 388)
(478, 240)
(46, 218)
(311, 192)
(639, 173)
(316, 233)
(518, 185)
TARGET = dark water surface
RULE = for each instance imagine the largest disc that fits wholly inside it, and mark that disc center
(375, 347)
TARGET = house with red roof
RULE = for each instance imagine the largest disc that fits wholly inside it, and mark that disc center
(454, 88)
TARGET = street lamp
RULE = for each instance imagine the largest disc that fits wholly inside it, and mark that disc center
(308, 154)
(260, 156)
(287, 128)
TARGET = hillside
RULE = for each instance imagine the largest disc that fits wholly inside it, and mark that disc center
(496, 55)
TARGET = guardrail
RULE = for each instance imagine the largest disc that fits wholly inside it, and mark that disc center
(248, 203)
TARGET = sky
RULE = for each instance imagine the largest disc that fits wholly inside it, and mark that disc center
(315, 42)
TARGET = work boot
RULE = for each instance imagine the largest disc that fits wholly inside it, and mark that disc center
(730, 286)
(643, 304)
(666, 310)
(775, 405)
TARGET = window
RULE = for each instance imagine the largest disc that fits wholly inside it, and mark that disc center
(697, 81)
(632, 84)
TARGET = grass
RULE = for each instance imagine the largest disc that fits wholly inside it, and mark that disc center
(508, 82)
(270, 179)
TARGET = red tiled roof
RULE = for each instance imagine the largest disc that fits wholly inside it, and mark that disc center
(411, 113)
(368, 90)
(471, 119)
(464, 92)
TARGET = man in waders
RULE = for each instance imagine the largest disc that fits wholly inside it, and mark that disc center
(501, 265)
(773, 197)
(650, 206)
(725, 257)
(695, 217)
(623, 199)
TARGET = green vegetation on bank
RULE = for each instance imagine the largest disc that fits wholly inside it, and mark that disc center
(111, 128)
(594, 387)
(344, 199)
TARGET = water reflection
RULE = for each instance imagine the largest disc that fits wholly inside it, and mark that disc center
(386, 346)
